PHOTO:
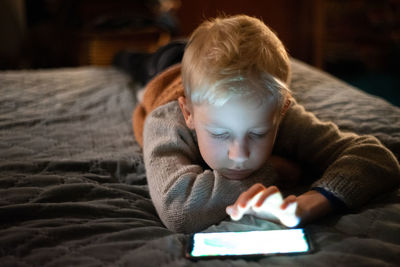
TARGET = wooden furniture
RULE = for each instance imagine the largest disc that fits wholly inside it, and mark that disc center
(323, 33)
(320, 32)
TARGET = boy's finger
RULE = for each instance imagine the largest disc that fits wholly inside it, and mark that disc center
(289, 217)
(249, 194)
(266, 193)
(290, 199)
(229, 210)
(234, 213)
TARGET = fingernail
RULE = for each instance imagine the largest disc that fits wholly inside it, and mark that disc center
(229, 210)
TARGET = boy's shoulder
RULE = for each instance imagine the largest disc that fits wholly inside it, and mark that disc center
(299, 120)
(168, 110)
(167, 115)
(297, 112)
(294, 110)
(166, 123)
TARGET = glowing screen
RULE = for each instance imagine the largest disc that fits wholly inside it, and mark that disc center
(249, 243)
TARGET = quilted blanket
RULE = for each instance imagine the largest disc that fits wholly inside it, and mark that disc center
(73, 188)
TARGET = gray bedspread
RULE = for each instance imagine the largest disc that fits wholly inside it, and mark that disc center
(73, 188)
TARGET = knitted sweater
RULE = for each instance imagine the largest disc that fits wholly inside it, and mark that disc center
(189, 196)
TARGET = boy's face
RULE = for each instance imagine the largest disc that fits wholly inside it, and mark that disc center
(235, 139)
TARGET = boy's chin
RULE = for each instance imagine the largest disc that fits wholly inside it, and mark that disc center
(236, 174)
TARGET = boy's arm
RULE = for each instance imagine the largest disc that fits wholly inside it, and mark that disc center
(187, 197)
(354, 168)
(313, 205)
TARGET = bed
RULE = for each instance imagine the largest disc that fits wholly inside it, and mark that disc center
(73, 187)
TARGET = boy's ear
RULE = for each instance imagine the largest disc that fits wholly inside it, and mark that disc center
(187, 112)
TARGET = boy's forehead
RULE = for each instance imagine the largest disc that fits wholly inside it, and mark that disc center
(237, 110)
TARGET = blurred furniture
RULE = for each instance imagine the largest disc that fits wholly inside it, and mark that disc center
(320, 32)
(89, 32)
(299, 24)
(328, 34)
(363, 34)
(111, 26)
(12, 33)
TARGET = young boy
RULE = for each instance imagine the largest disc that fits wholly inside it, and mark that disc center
(214, 145)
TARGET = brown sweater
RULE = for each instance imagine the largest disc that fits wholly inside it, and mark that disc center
(189, 197)
(164, 88)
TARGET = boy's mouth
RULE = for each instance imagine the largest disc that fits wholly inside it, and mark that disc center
(236, 174)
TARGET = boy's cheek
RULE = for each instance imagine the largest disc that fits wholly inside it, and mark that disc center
(215, 154)
(212, 153)
(208, 144)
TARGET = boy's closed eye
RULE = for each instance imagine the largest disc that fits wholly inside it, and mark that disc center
(258, 135)
(223, 135)
(226, 135)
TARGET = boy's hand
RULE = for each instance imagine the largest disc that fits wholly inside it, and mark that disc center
(267, 203)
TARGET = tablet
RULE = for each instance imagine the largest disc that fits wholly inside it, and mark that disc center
(249, 243)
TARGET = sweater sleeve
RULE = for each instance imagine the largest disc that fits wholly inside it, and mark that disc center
(354, 168)
(187, 196)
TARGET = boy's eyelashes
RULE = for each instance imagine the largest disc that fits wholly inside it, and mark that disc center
(258, 135)
(227, 135)
(219, 135)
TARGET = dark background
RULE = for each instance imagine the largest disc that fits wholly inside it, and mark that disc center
(355, 40)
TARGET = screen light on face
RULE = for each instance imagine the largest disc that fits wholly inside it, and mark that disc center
(249, 243)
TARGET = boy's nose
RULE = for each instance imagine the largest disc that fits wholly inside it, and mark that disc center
(238, 152)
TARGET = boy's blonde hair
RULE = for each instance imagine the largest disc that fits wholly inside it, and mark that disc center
(236, 55)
